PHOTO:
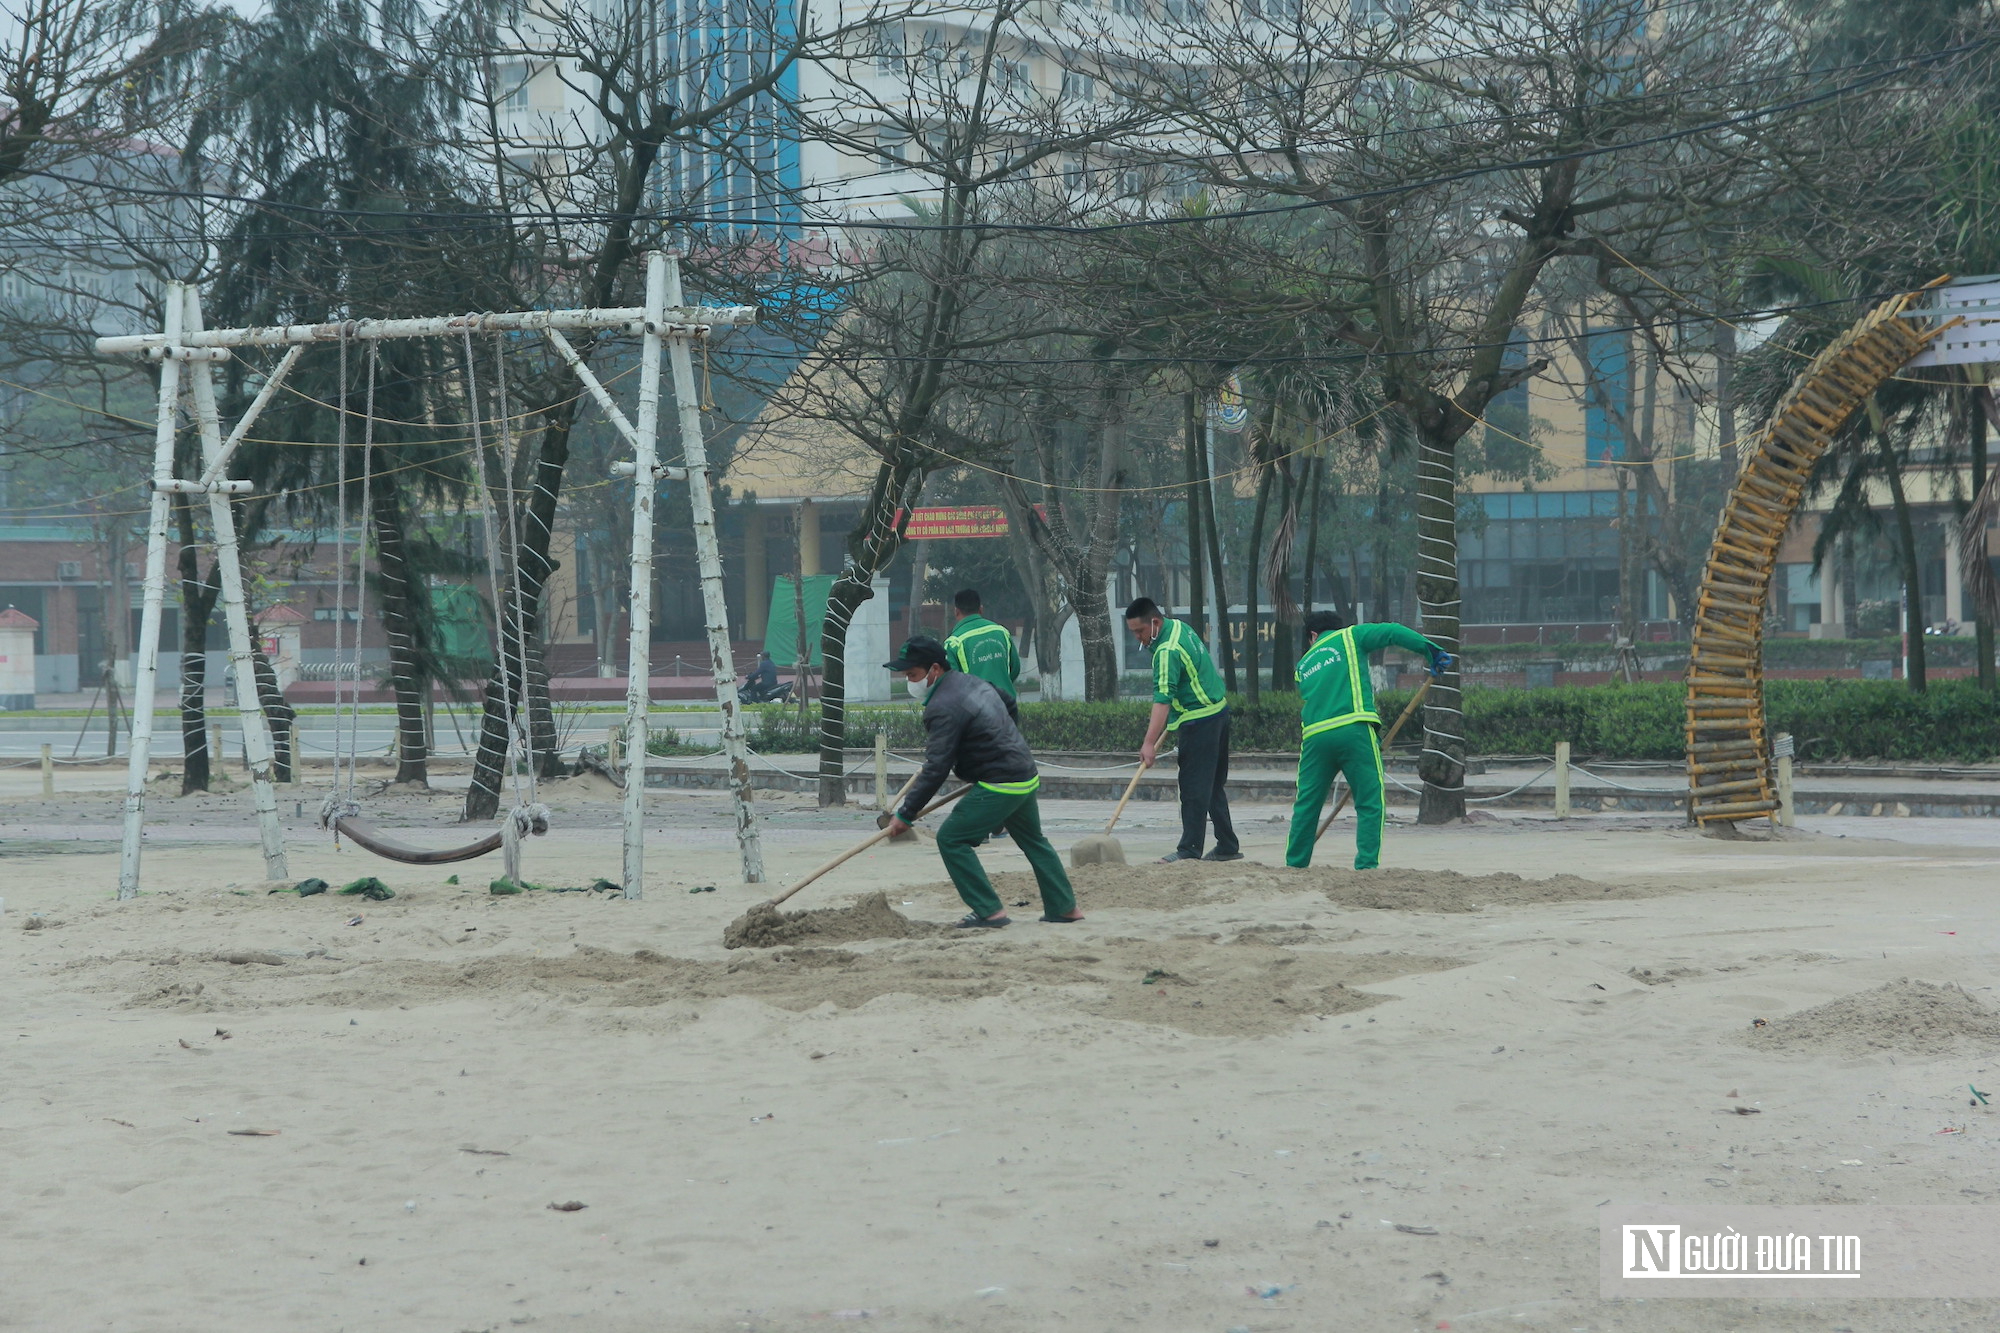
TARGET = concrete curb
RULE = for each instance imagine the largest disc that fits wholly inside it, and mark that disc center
(1277, 791)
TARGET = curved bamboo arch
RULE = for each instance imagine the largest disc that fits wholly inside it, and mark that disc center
(1728, 760)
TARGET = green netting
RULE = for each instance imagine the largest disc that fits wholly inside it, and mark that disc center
(464, 635)
(781, 629)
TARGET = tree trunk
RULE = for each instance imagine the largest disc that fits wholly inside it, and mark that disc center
(1628, 574)
(1043, 616)
(920, 571)
(1087, 594)
(1315, 498)
(531, 564)
(870, 547)
(1725, 398)
(1218, 584)
(1906, 534)
(198, 597)
(404, 626)
(1251, 648)
(1283, 610)
(1982, 623)
(1191, 439)
(531, 568)
(1442, 765)
(543, 739)
(278, 712)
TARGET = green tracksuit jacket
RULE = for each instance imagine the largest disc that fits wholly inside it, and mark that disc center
(1336, 693)
(1184, 676)
(978, 647)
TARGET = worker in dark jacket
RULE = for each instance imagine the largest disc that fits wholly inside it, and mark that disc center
(967, 731)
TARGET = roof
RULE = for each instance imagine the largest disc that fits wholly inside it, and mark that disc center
(284, 613)
(16, 619)
(783, 457)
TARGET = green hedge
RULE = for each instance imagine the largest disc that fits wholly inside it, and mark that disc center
(1941, 651)
(1953, 722)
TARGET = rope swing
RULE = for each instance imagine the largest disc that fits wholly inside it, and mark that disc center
(342, 811)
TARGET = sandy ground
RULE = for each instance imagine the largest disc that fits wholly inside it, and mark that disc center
(1208, 1107)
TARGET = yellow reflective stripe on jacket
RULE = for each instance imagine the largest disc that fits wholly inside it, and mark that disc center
(1196, 714)
(1354, 695)
(956, 643)
(1344, 720)
(1208, 705)
(1014, 788)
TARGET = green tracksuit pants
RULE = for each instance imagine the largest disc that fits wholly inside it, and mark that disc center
(1354, 752)
(980, 812)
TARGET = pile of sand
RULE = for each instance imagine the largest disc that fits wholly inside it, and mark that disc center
(1906, 1017)
(1400, 890)
(869, 918)
(1164, 888)
(1184, 884)
(1245, 988)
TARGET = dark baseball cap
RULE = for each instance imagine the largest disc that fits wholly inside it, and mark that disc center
(919, 654)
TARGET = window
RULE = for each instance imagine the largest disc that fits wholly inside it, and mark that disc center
(1076, 175)
(1078, 87)
(892, 143)
(514, 80)
(1130, 8)
(1012, 75)
(936, 46)
(889, 52)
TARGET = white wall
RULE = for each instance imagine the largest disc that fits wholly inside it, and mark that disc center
(868, 647)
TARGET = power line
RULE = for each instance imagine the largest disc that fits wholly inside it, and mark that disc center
(1690, 319)
(556, 217)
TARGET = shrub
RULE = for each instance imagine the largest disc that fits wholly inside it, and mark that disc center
(667, 742)
(1954, 722)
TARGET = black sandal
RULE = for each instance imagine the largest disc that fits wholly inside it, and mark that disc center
(1062, 920)
(974, 921)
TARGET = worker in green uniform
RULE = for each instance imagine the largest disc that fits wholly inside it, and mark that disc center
(979, 647)
(967, 731)
(1188, 700)
(1337, 707)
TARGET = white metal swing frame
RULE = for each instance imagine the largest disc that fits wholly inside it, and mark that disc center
(664, 322)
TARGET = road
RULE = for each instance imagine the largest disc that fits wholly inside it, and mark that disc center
(371, 734)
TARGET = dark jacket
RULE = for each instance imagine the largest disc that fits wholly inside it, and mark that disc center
(968, 731)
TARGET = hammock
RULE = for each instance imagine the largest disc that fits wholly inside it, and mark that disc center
(365, 835)
(346, 821)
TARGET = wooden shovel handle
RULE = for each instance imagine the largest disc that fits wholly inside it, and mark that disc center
(864, 845)
(897, 799)
(1130, 787)
(1387, 741)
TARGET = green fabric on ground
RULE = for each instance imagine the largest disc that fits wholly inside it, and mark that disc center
(978, 813)
(1354, 752)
